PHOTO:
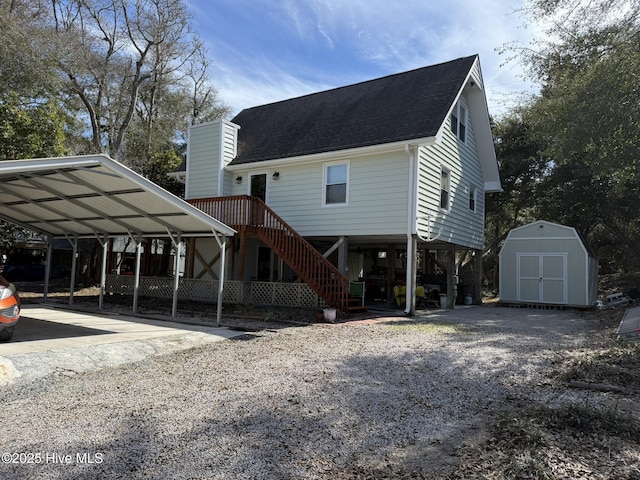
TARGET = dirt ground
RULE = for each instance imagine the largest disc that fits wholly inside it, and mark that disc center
(597, 437)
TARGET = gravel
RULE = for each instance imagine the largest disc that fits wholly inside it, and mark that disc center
(304, 402)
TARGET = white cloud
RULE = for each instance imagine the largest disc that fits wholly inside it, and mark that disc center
(318, 44)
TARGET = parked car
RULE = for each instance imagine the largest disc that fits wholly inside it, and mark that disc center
(9, 309)
(23, 272)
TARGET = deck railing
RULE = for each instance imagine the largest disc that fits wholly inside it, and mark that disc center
(245, 213)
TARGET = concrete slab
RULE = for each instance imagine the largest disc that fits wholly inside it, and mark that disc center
(630, 324)
(49, 340)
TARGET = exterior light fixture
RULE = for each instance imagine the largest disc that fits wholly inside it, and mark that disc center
(276, 175)
(239, 179)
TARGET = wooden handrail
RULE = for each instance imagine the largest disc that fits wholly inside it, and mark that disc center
(245, 213)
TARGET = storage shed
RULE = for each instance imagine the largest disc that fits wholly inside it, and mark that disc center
(547, 263)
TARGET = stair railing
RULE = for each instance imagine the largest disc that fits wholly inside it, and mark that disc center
(250, 214)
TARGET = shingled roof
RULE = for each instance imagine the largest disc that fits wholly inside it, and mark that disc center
(401, 107)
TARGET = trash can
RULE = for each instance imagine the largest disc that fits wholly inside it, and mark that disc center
(330, 314)
(443, 300)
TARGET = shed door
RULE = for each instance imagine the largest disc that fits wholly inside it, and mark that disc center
(542, 278)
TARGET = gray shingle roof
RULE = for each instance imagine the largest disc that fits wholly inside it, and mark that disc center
(396, 108)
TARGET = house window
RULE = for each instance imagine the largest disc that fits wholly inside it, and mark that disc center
(445, 187)
(459, 121)
(472, 198)
(335, 184)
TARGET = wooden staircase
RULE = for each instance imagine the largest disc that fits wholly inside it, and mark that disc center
(248, 214)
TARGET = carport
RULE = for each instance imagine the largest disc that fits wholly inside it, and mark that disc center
(96, 197)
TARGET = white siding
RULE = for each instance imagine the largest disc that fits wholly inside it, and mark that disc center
(208, 142)
(459, 225)
(377, 195)
(230, 135)
(203, 159)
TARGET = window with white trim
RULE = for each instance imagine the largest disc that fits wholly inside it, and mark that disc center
(459, 121)
(336, 177)
(445, 188)
(473, 192)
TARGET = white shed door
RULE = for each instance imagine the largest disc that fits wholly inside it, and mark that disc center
(542, 278)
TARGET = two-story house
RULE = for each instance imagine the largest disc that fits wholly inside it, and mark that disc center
(381, 182)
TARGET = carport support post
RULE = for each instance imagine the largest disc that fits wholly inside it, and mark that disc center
(47, 268)
(103, 272)
(74, 261)
(176, 275)
(136, 288)
(222, 242)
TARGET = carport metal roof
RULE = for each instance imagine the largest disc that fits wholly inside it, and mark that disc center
(94, 196)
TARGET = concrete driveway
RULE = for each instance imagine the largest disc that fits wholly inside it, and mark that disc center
(49, 340)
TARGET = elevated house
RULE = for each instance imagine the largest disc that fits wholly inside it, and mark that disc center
(379, 184)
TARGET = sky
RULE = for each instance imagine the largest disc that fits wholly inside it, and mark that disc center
(262, 51)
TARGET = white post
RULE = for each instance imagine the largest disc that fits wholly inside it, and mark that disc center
(47, 268)
(176, 276)
(136, 287)
(410, 299)
(74, 264)
(221, 276)
(103, 272)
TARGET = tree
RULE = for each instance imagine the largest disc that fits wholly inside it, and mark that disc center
(523, 166)
(588, 114)
(28, 131)
(131, 73)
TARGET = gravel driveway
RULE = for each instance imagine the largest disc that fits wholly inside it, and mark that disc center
(304, 402)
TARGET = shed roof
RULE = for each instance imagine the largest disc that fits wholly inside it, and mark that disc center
(396, 108)
(94, 196)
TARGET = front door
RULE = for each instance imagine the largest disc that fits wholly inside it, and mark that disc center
(542, 278)
(258, 186)
(258, 189)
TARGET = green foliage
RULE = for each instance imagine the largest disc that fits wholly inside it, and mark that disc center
(31, 131)
(523, 167)
(28, 131)
(157, 167)
(586, 124)
(132, 75)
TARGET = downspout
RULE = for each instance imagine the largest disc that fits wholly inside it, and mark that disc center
(412, 213)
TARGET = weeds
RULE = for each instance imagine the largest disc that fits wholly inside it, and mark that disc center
(592, 420)
(616, 365)
(538, 442)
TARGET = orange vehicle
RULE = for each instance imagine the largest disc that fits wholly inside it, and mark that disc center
(9, 309)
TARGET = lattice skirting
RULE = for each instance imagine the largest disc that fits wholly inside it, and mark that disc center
(247, 293)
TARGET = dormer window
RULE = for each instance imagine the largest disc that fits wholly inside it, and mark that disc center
(459, 121)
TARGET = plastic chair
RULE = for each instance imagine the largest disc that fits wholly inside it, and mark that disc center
(356, 289)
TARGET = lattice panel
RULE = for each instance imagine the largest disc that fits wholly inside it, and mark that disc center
(120, 284)
(233, 291)
(294, 294)
(261, 293)
(256, 293)
(198, 290)
(285, 294)
(157, 287)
